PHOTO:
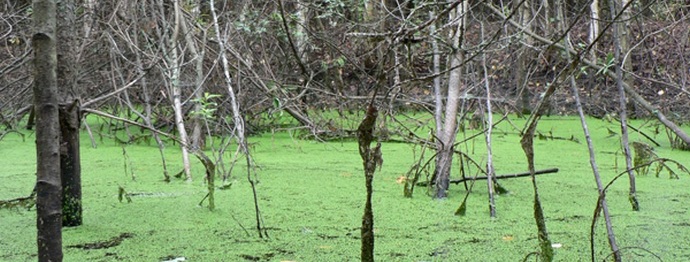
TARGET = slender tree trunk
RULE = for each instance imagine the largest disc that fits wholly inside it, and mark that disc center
(438, 92)
(593, 28)
(48, 186)
(198, 137)
(524, 58)
(623, 112)
(301, 35)
(623, 27)
(138, 27)
(546, 8)
(369, 10)
(237, 118)
(444, 158)
(597, 177)
(174, 66)
(490, 173)
(592, 159)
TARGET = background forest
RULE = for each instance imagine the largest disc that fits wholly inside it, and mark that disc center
(197, 77)
(301, 57)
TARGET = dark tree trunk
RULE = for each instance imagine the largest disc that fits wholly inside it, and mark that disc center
(444, 161)
(48, 188)
(70, 165)
(67, 72)
(371, 158)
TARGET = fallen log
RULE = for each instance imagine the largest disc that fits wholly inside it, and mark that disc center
(524, 174)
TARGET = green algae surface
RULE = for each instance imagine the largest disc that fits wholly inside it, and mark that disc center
(311, 195)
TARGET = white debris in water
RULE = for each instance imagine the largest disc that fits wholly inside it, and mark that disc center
(177, 259)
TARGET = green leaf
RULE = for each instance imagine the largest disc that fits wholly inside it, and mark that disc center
(340, 61)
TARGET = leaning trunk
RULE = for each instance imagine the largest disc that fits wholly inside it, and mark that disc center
(619, 42)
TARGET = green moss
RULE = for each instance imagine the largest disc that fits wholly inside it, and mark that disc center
(312, 197)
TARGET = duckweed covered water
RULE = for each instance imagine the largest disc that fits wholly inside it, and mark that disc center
(312, 194)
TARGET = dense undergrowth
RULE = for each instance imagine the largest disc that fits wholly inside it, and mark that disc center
(312, 195)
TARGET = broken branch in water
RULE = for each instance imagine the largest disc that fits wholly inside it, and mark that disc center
(525, 174)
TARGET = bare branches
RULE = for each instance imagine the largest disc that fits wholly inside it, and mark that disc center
(578, 58)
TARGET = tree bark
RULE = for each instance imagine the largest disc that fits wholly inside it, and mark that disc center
(198, 137)
(490, 173)
(444, 158)
(438, 93)
(524, 58)
(48, 187)
(370, 160)
(70, 164)
(70, 118)
(174, 66)
(593, 28)
(602, 205)
(620, 43)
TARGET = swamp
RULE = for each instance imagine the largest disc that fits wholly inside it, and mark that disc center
(344, 130)
(311, 196)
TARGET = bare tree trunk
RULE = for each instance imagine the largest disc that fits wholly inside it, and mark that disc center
(524, 58)
(618, 42)
(237, 119)
(601, 205)
(369, 10)
(371, 158)
(546, 8)
(438, 93)
(70, 118)
(70, 164)
(174, 65)
(198, 137)
(623, 25)
(597, 177)
(444, 158)
(147, 100)
(48, 185)
(301, 35)
(593, 28)
(546, 253)
(489, 155)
